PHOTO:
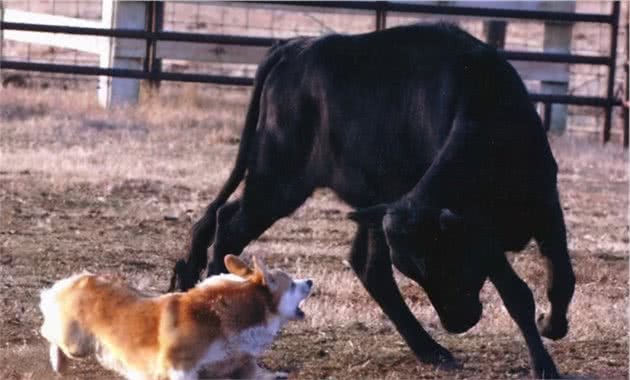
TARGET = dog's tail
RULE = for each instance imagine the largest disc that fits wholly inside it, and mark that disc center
(58, 360)
(53, 328)
(51, 309)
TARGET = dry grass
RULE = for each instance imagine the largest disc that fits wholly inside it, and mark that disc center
(84, 187)
(70, 138)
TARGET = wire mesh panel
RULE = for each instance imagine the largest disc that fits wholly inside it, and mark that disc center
(31, 52)
(249, 20)
(254, 20)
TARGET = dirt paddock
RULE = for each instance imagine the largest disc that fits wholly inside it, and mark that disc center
(84, 188)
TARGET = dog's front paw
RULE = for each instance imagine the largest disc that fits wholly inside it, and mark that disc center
(265, 374)
(280, 375)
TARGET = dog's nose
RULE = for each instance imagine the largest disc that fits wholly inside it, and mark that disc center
(309, 283)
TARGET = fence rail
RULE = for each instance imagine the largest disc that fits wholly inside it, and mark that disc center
(267, 41)
(244, 81)
(151, 44)
(127, 73)
(450, 10)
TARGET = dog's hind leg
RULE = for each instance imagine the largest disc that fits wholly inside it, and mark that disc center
(176, 374)
(58, 359)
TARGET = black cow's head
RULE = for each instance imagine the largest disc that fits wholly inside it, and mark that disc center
(444, 252)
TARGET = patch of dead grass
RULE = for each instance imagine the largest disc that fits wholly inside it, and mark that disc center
(82, 187)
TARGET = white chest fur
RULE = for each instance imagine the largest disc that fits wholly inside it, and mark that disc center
(255, 340)
(251, 342)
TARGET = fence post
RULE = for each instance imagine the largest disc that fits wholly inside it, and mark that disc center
(495, 33)
(610, 90)
(128, 15)
(1, 38)
(626, 95)
(557, 40)
(381, 16)
(155, 23)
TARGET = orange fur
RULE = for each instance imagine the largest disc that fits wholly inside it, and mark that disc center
(212, 326)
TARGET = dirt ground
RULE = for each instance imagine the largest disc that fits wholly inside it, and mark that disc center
(82, 188)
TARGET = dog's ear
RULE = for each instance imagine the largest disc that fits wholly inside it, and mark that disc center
(237, 266)
(370, 217)
(262, 274)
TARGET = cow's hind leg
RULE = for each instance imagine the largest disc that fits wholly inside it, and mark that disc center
(276, 184)
(552, 242)
(371, 262)
(187, 273)
(519, 302)
(241, 221)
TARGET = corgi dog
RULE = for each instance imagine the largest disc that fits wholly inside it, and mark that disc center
(218, 327)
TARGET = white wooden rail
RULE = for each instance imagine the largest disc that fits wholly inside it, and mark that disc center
(122, 53)
(88, 44)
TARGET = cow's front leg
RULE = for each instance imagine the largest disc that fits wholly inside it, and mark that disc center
(371, 262)
(519, 302)
(552, 242)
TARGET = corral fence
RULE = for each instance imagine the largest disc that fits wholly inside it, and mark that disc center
(131, 44)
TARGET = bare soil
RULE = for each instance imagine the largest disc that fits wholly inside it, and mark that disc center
(82, 188)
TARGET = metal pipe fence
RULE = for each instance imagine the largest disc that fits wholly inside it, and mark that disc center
(152, 34)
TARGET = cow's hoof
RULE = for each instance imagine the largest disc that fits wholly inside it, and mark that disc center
(440, 357)
(546, 370)
(181, 279)
(216, 267)
(552, 329)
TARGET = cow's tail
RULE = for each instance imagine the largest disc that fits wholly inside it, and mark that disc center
(203, 230)
(251, 121)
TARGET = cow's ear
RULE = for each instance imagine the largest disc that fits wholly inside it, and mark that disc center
(449, 221)
(237, 266)
(370, 216)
